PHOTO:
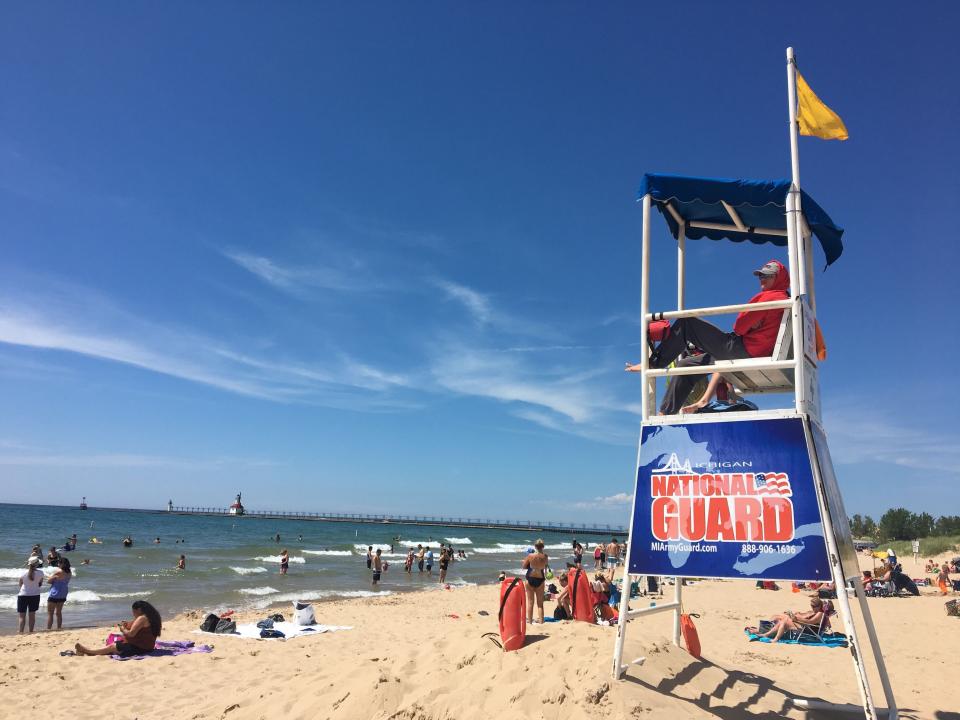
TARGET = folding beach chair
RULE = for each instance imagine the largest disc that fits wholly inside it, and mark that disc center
(815, 632)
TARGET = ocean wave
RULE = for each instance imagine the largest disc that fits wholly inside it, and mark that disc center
(319, 595)
(9, 602)
(507, 548)
(276, 559)
(267, 590)
(327, 552)
(113, 596)
(362, 547)
(460, 541)
(15, 573)
(248, 571)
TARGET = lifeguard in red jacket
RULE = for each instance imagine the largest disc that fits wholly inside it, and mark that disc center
(754, 335)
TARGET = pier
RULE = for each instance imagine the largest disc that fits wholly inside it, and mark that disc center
(423, 520)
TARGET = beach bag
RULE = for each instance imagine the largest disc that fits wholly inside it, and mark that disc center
(952, 608)
(303, 614)
(560, 613)
(209, 623)
(690, 637)
(225, 626)
(112, 638)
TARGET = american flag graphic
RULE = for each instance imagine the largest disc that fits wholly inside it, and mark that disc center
(772, 484)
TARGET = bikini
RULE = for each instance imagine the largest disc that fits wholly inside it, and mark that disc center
(533, 580)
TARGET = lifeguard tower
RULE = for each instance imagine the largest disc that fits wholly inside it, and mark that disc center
(746, 495)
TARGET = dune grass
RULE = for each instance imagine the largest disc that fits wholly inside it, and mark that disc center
(929, 546)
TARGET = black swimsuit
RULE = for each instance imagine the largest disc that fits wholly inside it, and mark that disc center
(533, 580)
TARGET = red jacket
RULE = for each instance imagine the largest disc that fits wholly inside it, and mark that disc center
(759, 328)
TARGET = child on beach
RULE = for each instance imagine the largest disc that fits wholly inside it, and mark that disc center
(408, 564)
(943, 579)
(182, 563)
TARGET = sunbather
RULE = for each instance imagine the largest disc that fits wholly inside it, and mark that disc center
(139, 635)
(794, 621)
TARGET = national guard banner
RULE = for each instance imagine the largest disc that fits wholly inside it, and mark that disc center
(732, 499)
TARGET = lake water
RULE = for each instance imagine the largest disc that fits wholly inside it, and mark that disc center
(233, 562)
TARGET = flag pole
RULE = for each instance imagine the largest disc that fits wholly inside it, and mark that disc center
(798, 284)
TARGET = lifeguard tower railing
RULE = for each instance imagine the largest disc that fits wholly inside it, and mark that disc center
(756, 211)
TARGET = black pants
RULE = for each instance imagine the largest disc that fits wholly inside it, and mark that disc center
(679, 386)
(715, 343)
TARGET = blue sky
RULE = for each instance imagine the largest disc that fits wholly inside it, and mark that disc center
(386, 258)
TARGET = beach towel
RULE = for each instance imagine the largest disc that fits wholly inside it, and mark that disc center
(169, 648)
(250, 631)
(828, 639)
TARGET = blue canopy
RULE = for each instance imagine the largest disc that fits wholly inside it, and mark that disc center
(758, 203)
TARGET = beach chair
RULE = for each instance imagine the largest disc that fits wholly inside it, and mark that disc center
(815, 632)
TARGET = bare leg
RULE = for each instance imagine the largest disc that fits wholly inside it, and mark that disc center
(108, 650)
(23, 621)
(538, 593)
(59, 609)
(33, 620)
(530, 595)
(50, 615)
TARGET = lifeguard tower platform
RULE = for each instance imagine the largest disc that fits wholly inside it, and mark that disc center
(744, 495)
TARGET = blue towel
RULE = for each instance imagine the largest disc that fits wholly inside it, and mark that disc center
(829, 639)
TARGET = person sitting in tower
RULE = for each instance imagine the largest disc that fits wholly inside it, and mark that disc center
(754, 335)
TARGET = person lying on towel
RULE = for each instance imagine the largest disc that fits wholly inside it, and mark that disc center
(793, 621)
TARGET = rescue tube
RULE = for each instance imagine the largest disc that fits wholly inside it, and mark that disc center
(690, 637)
(513, 614)
(581, 595)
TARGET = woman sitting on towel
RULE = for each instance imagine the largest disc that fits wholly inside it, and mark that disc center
(793, 620)
(139, 635)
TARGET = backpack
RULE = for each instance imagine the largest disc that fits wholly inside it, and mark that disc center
(226, 626)
(209, 623)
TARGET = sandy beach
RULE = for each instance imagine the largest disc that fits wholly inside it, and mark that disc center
(423, 656)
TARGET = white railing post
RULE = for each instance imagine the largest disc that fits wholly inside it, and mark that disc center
(681, 264)
(645, 400)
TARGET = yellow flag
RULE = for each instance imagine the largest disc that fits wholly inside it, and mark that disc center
(814, 117)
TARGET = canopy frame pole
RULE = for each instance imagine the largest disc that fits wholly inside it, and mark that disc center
(681, 264)
(648, 384)
(796, 309)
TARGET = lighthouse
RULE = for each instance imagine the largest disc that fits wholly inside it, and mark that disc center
(237, 507)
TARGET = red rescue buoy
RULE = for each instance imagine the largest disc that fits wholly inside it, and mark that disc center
(513, 614)
(581, 595)
(690, 637)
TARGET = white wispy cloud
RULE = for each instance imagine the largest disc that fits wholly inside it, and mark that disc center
(126, 460)
(477, 304)
(857, 433)
(341, 273)
(618, 502)
(90, 326)
(565, 399)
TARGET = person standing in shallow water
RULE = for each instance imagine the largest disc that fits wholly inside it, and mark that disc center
(284, 561)
(28, 594)
(377, 567)
(58, 593)
(369, 557)
(535, 564)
